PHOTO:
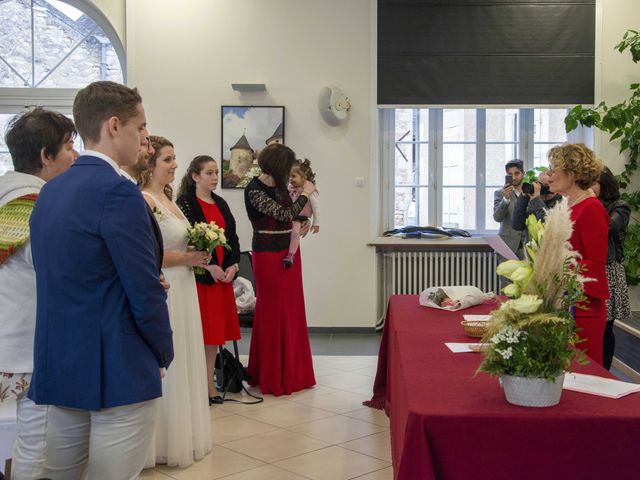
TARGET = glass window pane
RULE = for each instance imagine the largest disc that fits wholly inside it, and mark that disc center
(5, 158)
(459, 125)
(490, 224)
(70, 49)
(459, 208)
(540, 151)
(459, 164)
(412, 125)
(405, 164)
(405, 207)
(423, 203)
(548, 125)
(404, 125)
(15, 42)
(497, 156)
(502, 125)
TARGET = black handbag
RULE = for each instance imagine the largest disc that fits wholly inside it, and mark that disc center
(231, 374)
(230, 371)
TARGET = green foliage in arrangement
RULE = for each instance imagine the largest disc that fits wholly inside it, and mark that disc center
(622, 121)
(538, 345)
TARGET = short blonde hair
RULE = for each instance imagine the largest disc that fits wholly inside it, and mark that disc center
(578, 161)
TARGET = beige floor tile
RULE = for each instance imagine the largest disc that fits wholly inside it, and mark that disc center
(370, 415)
(287, 415)
(369, 371)
(235, 427)
(333, 463)
(337, 402)
(350, 363)
(384, 474)
(365, 390)
(153, 474)
(268, 472)
(344, 380)
(274, 446)
(312, 392)
(321, 370)
(236, 407)
(377, 445)
(216, 412)
(337, 429)
(219, 463)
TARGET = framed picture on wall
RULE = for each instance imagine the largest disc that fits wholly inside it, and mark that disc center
(246, 131)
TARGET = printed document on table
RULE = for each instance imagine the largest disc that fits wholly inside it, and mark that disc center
(462, 347)
(604, 387)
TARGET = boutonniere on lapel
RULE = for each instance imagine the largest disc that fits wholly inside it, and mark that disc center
(159, 214)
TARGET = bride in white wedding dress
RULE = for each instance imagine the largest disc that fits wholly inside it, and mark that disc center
(183, 429)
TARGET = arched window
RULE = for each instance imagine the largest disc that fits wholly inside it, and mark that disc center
(48, 50)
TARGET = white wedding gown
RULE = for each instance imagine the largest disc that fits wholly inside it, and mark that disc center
(183, 428)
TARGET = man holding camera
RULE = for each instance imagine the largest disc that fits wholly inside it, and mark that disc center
(536, 198)
(504, 201)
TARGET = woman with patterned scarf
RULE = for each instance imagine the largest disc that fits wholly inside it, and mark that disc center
(41, 146)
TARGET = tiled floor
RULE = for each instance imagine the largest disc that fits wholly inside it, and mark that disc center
(319, 433)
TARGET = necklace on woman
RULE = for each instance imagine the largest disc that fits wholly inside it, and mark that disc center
(582, 196)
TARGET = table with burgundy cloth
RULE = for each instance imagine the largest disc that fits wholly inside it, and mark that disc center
(447, 422)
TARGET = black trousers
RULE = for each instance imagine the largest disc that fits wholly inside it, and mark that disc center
(609, 345)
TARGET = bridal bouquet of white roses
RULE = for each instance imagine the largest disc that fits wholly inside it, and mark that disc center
(205, 237)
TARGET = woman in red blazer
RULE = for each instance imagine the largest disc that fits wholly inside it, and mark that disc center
(573, 169)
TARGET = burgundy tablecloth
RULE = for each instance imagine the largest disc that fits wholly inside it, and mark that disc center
(447, 422)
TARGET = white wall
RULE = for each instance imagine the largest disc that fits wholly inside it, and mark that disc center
(184, 55)
(617, 70)
(184, 59)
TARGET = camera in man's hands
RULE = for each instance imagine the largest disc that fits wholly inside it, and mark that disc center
(528, 189)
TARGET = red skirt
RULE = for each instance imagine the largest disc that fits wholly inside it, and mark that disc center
(592, 322)
(218, 313)
(280, 354)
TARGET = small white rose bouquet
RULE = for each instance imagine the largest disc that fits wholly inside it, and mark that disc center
(205, 237)
(532, 334)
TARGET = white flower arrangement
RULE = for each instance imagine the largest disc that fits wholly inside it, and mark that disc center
(532, 334)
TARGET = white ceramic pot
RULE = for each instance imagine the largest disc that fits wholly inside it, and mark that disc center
(531, 391)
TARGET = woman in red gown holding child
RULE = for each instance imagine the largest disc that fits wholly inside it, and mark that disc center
(280, 355)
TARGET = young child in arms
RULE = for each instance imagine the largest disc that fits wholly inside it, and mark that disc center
(301, 172)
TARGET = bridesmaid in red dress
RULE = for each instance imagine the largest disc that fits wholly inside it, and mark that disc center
(573, 169)
(280, 354)
(215, 290)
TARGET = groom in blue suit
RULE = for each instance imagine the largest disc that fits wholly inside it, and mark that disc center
(103, 337)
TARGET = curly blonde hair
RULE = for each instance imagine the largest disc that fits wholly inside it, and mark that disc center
(578, 161)
(157, 143)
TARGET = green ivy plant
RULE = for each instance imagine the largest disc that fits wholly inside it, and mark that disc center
(531, 176)
(622, 121)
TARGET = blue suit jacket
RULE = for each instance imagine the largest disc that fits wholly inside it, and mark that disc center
(102, 325)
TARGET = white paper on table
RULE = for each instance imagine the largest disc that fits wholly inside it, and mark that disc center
(460, 347)
(604, 387)
(476, 318)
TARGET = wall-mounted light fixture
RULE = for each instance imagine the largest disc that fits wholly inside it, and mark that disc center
(334, 105)
(249, 87)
